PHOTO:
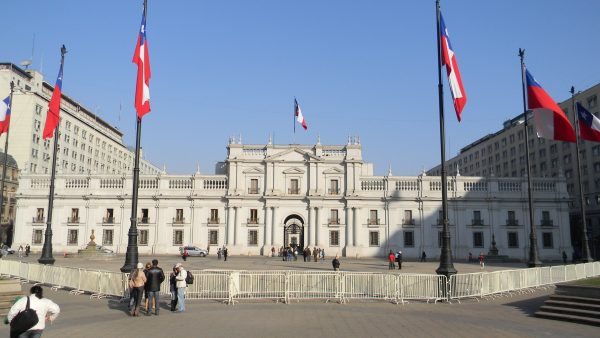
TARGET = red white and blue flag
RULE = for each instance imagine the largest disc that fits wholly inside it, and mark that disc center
(449, 60)
(299, 116)
(142, 59)
(53, 115)
(550, 121)
(589, 125)
(5, 115)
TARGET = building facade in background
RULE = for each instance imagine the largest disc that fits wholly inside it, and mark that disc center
(270, 196)
(87, 144)
(502, 154)
(9, 201)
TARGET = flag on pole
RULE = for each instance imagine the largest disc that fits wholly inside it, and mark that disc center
(550, 121)
(142, 59)
(53, 115)
(589, 125)
(454, 79)
(5, 115)
(299, 116)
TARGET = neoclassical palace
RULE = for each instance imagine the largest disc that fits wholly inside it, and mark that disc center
(268, 195)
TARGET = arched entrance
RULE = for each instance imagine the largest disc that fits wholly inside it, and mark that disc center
(293, 232)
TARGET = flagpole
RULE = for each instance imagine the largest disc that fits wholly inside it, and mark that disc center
(12, 88)
(131, 257)
(446, 267)
(46, 257)
(534, 260)
(585, 248)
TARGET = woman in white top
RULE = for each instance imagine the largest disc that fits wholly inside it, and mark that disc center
(44, 307)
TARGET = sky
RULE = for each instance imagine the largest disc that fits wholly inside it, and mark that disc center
(365, 68)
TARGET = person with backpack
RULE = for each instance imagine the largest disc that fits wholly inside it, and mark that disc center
(21, 317)
(181, 286)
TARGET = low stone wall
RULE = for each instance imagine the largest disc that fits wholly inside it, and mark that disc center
(578, 290)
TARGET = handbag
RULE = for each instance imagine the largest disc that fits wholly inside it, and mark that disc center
(24, 320)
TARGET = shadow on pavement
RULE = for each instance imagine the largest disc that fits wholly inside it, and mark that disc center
(529, 306)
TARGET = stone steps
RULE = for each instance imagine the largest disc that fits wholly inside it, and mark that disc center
(584, 310)
(6, 301)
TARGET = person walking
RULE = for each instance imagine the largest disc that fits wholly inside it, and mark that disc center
(138, 279)
(184, 254)
(182, 285)
(219, 253)
(481, 260)
(155, 276)
(20, 251)
(28, 250)
(272, 251)
(44, 308)
(399, 259)
(391, 260)
(225, 254)
(336, 263)
(173, 287)
(564, 257)
(322, 255)
(423, 257)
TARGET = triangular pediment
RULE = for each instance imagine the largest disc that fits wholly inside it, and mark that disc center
(293, 171)
(333, 170)
(293, 155)
(254, 170)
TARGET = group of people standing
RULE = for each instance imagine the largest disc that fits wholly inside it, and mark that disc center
(291, 254)
(27, 250)
(145, 282)
(222, 252)
(394, 258)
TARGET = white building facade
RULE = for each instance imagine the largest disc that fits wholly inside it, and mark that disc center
(266, 196)
(88, 144)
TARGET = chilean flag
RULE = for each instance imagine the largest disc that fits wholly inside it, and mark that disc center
(53, 115)
(589, 125)
(4, 115)
(299, 116)
(449, 60)
(142, 59)
(550, 121)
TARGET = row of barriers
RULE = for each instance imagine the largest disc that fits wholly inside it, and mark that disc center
(287, 286)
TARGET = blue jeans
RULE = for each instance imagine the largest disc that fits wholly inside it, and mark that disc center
(31, 334)
(181, 299)
(151, 295)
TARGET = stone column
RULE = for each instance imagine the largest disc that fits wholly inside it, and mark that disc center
(268, 228)
(349, 231)
(274, 229)
(355, 225)
(236, 230)
(311, 227)
(318, 232)
(230, 220)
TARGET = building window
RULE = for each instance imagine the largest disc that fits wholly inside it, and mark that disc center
(214, 216)
(409, 239)
(74, 215)
(37, 237)
(546, 221)
(477, 218)
(143, 237)
(547, 240)
(513, 239)
(478, 239)
(408, 219)
(178, 216)
(109, 219)
(177, 237)
(334, 187)
(253, 216)
(373, 220)
(512, 219)
(294, 190)
(252, 237)
(592, 101)
(72, 237)
(107, 237)
(373, 238)
(213, 237)
(145, 219)
(334, 219)
(39, 216)
(253, 186)
(334, 238)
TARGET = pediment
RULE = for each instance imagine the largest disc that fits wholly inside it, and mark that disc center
(253, 170)
(293, 171)
(293, 155)
(333, 170)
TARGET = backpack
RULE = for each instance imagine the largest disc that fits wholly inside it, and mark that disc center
(189, 279)
(24, 320)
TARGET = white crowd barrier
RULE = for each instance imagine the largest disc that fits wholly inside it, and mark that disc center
(286, 286)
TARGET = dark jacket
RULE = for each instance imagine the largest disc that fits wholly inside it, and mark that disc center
(155, 276)
(335, 263)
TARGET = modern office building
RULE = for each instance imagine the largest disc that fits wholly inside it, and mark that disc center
(87, 143)
(502, 154)
(266, 196)
(9, 202)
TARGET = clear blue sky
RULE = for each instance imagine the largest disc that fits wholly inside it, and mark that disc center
(359, 67)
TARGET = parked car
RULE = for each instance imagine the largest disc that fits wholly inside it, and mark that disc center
(193, 251)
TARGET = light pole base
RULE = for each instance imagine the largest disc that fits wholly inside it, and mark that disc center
(46, 260)
(534, 264)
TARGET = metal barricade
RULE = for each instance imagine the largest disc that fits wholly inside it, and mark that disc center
(364, 285)
(206, 286)
(261, 285)
(467, 285)
(313, 285)
(422, 287)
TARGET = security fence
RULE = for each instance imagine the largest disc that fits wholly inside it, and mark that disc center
(287, 286)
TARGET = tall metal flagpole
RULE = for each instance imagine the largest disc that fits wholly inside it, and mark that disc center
(10, 102)
(533, 250)
(446, 267)
(585, 248)
(131, 257)
(46, 257)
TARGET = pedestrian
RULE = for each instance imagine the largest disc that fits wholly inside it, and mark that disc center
(182, 285)
(137, 281)
(336, 263)
(28, 250)
(20, 251)
(470, 257)
(272, 251)
(173, 287)
(322, 255)
(225, 254)
(44, 308)
(219, 253)
(315, 252)
(481, 258)
(564, 257)
(423, 257)
(399, 259)
(391, 260)
(147, 267)
(184, 254)
(155, 276)
(304, 255)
